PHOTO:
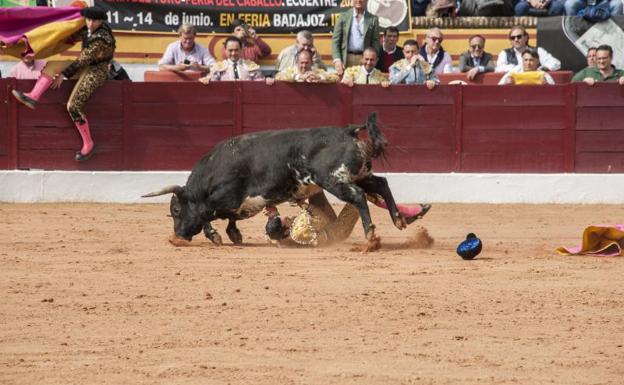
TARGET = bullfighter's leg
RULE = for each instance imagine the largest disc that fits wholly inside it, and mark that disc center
(212, 234)
(354, 194)
(234, 233)
(379, 185)
(320, 201)
(88, 82)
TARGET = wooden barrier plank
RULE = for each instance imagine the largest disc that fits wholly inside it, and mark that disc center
(600, 162)
(600, 118)
(402, 95)
(5, 144)
(492, 96)
(172, 157)
(257, 117)
(409, 159)
(180, 114)
(529, 117)
(214, 93)
(287, 94)
(106, 158)
(67, 138)
(503, 141)
(56, 115)
(600, 95)
(504, 162)
(600, 140)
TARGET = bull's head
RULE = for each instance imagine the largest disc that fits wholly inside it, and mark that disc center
(186, 219)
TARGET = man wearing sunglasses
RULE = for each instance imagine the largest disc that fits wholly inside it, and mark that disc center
(510, 59)
(433, 52)
(476, 60)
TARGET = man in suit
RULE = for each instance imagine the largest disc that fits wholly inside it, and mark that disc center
(389, 51)
(355, 30)
(476, 60)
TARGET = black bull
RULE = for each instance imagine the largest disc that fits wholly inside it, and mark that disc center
(244, 174)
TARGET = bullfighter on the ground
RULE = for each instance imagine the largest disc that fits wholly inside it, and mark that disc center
(90, 68)
(316, 224)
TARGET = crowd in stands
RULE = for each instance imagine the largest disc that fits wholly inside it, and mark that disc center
(364, 54)
(594, 9)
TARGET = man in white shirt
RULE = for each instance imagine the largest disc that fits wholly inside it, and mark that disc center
(288, 56)
(510, 59)
(185, 54)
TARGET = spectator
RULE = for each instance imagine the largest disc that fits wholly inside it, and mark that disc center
(28, 67)
(604, 71)
(573, 7)
(365, 73)
(234, 67)
(433, 52)
(591, 57)
(288, 57)
(253, 48)
(510, 59)
(476, 60)
(530, 73)
(185, 54)
(414, 69)
(389, 51)
(304, 71)
(539, 7)
(91, 70)
(419, 7)
(355, 30)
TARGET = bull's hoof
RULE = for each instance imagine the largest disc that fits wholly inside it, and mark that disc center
(400, 222)
(178, 242)
(235, 236)
(214, 237)
(373, 244)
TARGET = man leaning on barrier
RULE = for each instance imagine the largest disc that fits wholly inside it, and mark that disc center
(288, 56)
(304, 72)
(414, 69)
(365, 73)
(604, 70)
(186, 54)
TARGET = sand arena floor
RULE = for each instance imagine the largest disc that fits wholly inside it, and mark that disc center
(94, 294)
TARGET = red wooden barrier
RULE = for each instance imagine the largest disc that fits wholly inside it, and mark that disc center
(491, 78)
(167, 126)
(171, 76)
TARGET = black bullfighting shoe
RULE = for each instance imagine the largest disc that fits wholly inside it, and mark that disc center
(424, 209)
(25, 100)
(83, 158)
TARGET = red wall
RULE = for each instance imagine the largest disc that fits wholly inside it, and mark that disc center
(169, 126)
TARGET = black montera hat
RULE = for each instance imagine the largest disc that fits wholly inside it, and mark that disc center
(93, 13)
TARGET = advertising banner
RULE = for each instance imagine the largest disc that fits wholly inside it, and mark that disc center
(266, 16)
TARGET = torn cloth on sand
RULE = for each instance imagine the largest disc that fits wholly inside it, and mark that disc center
(599, 240)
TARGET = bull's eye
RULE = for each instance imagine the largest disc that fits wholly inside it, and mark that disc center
(175, 211)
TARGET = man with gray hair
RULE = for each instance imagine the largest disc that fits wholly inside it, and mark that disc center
(288, 57)
(185, 54)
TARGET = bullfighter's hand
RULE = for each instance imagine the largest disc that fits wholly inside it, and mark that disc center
(204, 80)
(348, 82)
(385, 84)
(621, 81)
(58, 80)
(269, 81)
(430, 84)
(339, 67)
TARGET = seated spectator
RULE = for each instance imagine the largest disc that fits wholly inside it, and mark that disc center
(476, 60)
(185, 54)
(253, 48)
(304, 71)
(574, 7)
(510, 59)
(419, 7)
(234, 67)
(28, 67)
(539, 7)
(389, 52)
(530, 74)
(288, 57)
(414, 69)
(591, 57)
(604, 70)
(366, 73)
(433, 52)
(486, 8)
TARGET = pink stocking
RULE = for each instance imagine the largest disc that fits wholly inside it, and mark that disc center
(85, 134)
(43, 83)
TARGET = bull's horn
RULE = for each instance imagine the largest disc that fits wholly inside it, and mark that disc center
(165, 190)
